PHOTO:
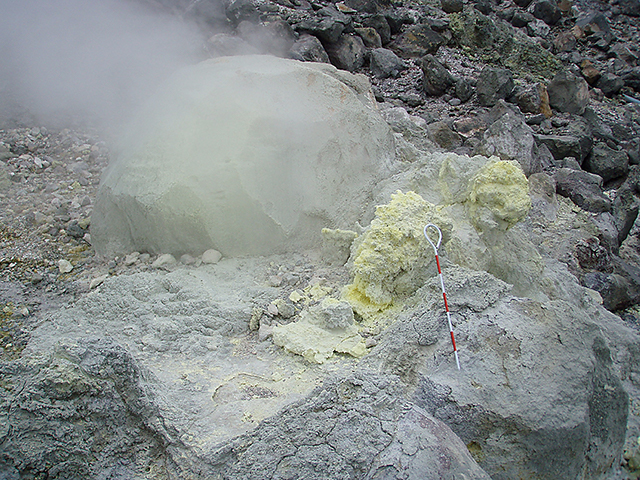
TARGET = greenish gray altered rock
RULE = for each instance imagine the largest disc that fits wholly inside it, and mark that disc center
(495, 41)
(240, 154)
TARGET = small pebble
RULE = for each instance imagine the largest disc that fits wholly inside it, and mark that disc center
(265, 331)
(131, 258)
(164, 260)
(211, 256)
(95, 282)
(285, 310)
(187, 259)
(64, 266)
(272, 309)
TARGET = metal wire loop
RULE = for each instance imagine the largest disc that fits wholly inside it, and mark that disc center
(435, 246)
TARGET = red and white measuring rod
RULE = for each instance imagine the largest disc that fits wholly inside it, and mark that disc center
(436, 246)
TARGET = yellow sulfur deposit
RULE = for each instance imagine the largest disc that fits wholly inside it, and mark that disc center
(390, 258)
(321, 331)
(501, 189)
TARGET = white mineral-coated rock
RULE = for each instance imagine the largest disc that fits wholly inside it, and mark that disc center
(96, 282)
(164, 259)
(248, 155)
(64, 266)
(211, 256)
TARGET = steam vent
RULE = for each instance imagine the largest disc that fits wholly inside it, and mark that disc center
(242, 154)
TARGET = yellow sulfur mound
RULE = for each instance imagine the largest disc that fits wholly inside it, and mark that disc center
(502, 189)
(390, 258)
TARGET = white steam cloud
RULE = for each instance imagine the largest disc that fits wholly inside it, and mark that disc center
(93, 58)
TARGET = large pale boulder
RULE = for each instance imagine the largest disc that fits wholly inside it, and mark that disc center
(247, 155)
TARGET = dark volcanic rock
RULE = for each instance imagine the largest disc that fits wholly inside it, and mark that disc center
(308, 49)
(436, 78)
(443, 136)
(607, 162)
(630, 7)
(632, 148)
(594, 22)
(348, 53)
(612, 288)
(451, 6)
(521, 19)
(610, 84)
(599, 129)
(384, 63)
(243, 10)
(532, 99)
(561, 146)
(368, 6)
(591, 255)
(632, 78)
(369, 36)
(625, 211)
(589, 72)
(463, 89)
(565, 42)
(583, 188)
(547, 11)
(494, 84)
(568, 93)
(417, 41)
(327, 29)
(381, 25)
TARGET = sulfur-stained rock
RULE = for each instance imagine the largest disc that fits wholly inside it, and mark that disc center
(498, 42)
(520, 411)
(389, 260)
(502, 189)
(321, 331)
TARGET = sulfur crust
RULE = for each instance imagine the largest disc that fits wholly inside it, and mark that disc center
(392, 253)
(392, 258)
(316, 339)
(502, 188)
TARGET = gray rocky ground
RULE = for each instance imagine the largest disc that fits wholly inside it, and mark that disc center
(140, 366)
